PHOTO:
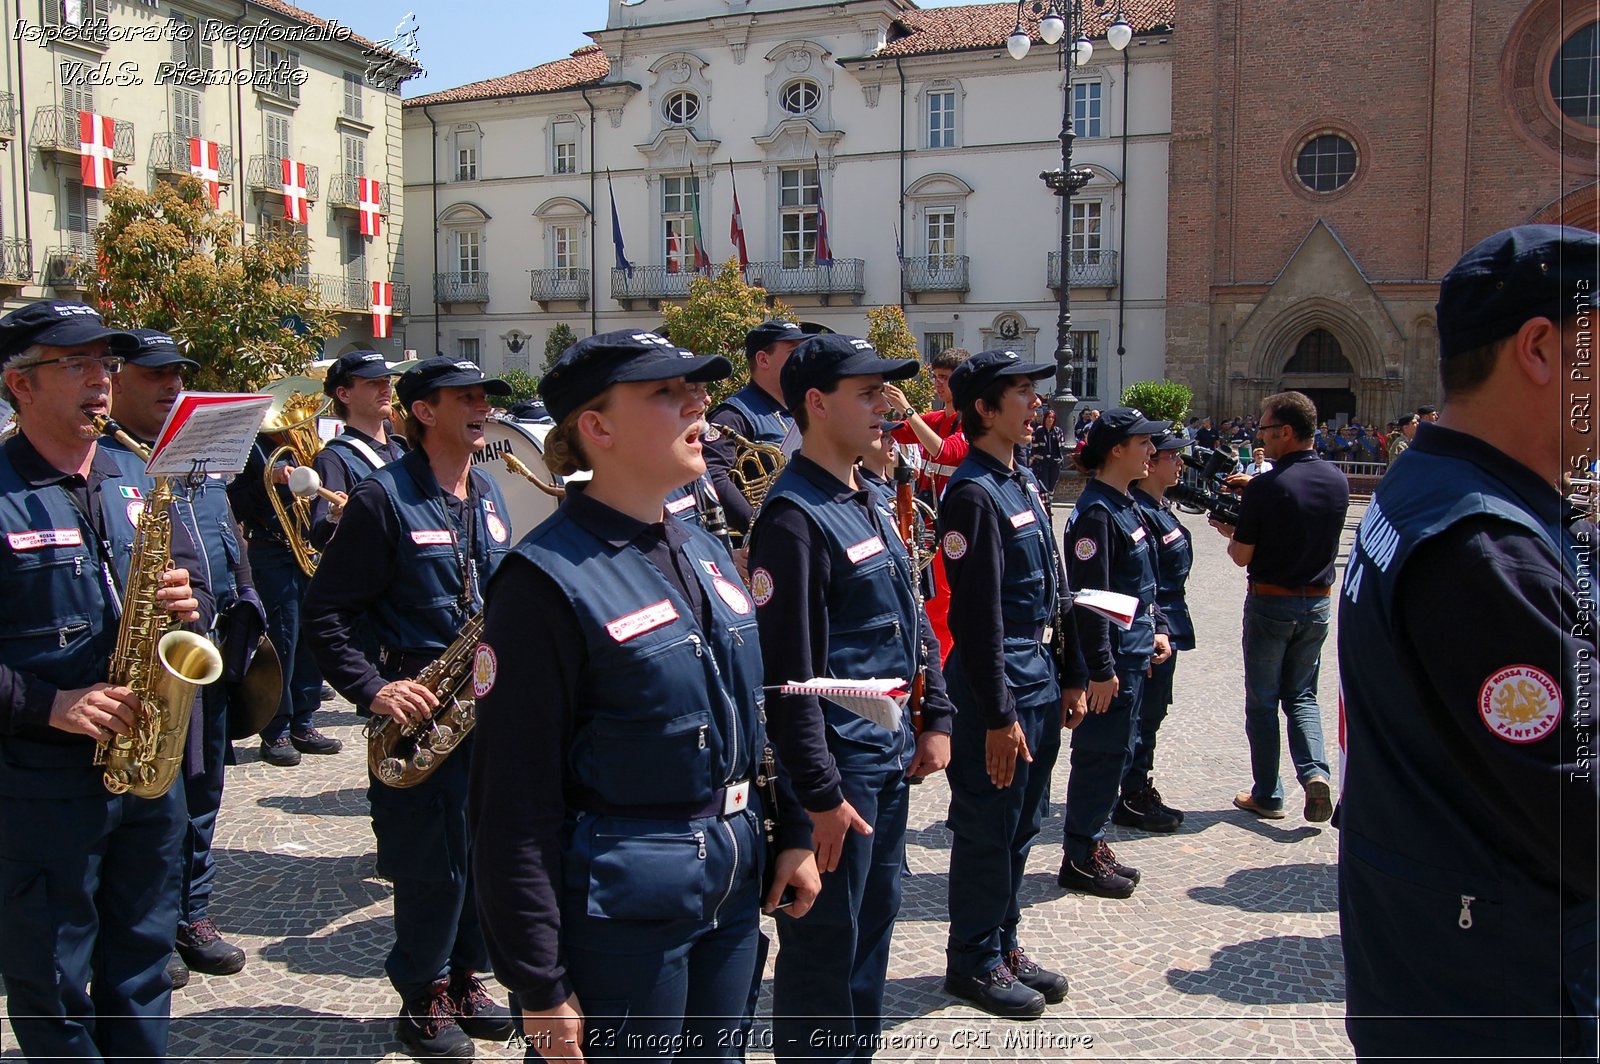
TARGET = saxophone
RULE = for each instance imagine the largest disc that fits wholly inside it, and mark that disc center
(161, 664)
(403, 755)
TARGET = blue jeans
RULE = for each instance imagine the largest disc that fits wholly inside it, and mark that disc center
(282, 584)
(1283, 638)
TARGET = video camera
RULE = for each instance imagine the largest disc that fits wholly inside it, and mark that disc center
(1208, 496)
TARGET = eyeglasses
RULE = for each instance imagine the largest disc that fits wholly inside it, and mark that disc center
(1277, 425)
(79, 365)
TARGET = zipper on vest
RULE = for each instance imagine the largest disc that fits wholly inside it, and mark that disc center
(733, 870)
(77, 566)
(703, 728)
(700, 837)
(733, 717)
(62, 633)
(694, 641)
(1465, 920)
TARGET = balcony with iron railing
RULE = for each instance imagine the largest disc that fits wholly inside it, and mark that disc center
(650, 284)
(568, 283)
(55, 129)
(935, 273)
(840, 277)
(61, 262)
(8, 116)
(265, 174)
(169, 154)
(344, 193)
(461, 287)
(16, 261)
(1090, 269)
(402, 299)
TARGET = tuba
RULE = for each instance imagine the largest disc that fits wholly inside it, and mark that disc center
(164, 666)
(297, 402)
(403, 755)
(755, 466)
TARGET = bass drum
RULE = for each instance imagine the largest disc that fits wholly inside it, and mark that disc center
(527, 503)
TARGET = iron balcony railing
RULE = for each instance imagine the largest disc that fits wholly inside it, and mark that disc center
(57, 129)
(8, 116)
(265, 174)
(16, 260)
(402, 298)
(650, 282)
(936, 273)
(1090, 269)
(343, 293)
(838, 277)
(169, 154)
(563, 282)
(461, 287)
(344, 191)
(60, 265)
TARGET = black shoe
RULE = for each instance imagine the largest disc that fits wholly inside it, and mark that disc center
(1099, 878)
(480, 1015)
(280, 752)
(1125, 871)
(177, 971)
(1136, 809)
(328, 693)
(203, 949)
(1053, 985)
(997, 992)
(427, 1026)
(312, 741)
(1160, 803)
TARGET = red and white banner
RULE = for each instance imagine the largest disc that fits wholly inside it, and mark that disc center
(96, 134)
(296, 207)
(369, 198)
(382, 308)
(203, 164)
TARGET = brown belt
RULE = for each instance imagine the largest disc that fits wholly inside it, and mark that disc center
(1308, 591)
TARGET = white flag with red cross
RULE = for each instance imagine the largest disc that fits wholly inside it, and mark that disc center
(382, 308)
(369, 200)
(296, 206)
(203, 164)
(96, 135)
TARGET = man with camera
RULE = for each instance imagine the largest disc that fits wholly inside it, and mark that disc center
(1287, 536)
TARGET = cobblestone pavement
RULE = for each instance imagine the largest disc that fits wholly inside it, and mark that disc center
(1229, 950)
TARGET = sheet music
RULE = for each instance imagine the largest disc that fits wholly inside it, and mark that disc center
(209, 432)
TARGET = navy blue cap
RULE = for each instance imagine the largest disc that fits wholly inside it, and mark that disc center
(768, 333)
(442, 372)
(157, 349)
(58, 323)
(1169, 441)
(828, 357)
(529, 410)
(363, 364)
(968, 380)
(1529, 271)
(595, 363)
(1115, 425)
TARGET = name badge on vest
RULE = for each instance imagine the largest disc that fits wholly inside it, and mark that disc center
(677, 506)
(864, 550)
(50, 537)
(736, 799)
(1138, 534)
(637, 623)
(429, 537)
(1172, 537)
(1024, 519)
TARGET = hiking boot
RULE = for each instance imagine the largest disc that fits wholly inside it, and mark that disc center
(1244, 801)
(997, 992)
(203, 949)
(1100, 878)
(177, 971)
(480, 1015)
(327, 694)
(1052, 985)
(1319, 800)
(1158, 802)
(280, 752)
(1110, 858)
(427, 1025)
(312, 741)
(1142, 809)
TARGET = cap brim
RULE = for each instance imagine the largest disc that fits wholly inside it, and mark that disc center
(491, 385)
(368, 372)
(698, 370)
(890, 369)
(1176, 443)
(1148, 427)
(1036, 371)
(74, 333)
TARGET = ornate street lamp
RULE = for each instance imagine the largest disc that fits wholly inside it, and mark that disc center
(1059, 23)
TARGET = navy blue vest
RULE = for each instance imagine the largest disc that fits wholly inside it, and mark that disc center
(1133, 569)
(423, 612)
(354, 458)
(684, 503)
(872, 609)
(1174, 559)
(1030, 582)
(769, 421)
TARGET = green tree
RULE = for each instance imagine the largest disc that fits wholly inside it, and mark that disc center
(1163, 400)
(524, 385)
(165, 260)
(560, 338)
(720, 309)
(888, 332)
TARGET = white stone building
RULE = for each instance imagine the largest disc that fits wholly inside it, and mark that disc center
(908, 127)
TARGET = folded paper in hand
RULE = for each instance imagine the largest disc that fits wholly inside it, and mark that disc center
(879, 701)
(1122, 609)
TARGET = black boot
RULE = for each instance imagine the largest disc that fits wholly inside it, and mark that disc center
(1053, 985)
(428, 1028)
(480, 1015)
(203, 949)
(1142, 809)
(1096, 876)
(997, 992)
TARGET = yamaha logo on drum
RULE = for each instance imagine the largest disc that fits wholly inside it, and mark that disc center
(492, 452)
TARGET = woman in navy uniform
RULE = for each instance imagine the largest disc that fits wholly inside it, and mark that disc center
(1141, 805)
(615, 799)
(1109, 548)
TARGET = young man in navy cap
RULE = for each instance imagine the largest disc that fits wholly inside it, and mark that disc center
(142, 397)
(90, 878)
(836, 595)
(417, 544)
(1013, 691)
(756, 412)
(1467, 857)
(362, 391)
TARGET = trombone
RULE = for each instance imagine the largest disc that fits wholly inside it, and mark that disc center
(297, 402)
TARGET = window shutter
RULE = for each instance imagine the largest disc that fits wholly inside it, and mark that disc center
(50, 12)
(207, 57)
(293, 59)
(180, 48)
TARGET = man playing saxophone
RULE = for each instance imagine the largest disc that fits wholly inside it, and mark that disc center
(416, 545)
(76, 859)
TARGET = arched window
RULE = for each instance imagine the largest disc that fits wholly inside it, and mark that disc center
(1318, 352)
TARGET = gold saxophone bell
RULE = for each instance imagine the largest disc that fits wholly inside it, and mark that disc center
(520, 468)
(297, 402)
(755, 467)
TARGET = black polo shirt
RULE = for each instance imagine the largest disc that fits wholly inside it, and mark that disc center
(1293, 516)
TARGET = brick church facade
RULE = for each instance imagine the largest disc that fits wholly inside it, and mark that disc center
(1329, 165)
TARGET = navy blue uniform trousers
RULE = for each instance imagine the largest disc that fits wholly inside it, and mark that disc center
(89, 888)
(203, 795)
(827, 994)
(282, 584)
(1154, 701)
(1102, 749)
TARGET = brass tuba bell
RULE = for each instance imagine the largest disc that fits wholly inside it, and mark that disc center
(755, 466)
(297, 402)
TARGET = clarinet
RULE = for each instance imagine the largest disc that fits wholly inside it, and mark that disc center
(712, 517)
